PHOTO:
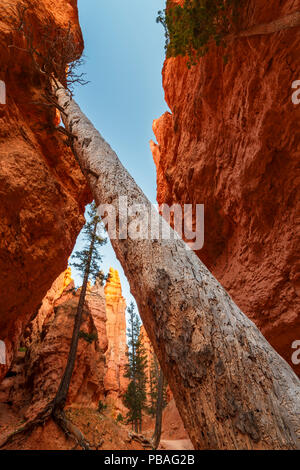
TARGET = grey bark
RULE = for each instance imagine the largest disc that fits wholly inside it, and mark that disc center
(232, 389)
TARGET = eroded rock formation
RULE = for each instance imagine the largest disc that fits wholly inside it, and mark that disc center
(230, 142)
(115, 383)
(37, 368)
(42, 190)
(36, 372)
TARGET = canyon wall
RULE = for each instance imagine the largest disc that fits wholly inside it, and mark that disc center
(34, 376)
(42, 191)
(231, 142)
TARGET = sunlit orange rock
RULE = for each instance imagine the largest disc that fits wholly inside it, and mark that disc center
(42, 190)
(57, 118)
(114, 381)
(37, 371)
(230, 143)
(149, 352)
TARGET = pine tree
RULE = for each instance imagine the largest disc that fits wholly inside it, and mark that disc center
(88, 264)
(135, 397)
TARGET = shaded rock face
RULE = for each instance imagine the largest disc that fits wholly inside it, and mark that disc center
(114, 381)
(231, 143)
(35, 375)
(42, 190)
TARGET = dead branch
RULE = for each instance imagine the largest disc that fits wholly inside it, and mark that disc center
(70, 429)
(65, 132)
(56, 56)
(145, 443)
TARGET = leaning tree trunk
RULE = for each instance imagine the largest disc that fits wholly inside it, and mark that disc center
(232, 389)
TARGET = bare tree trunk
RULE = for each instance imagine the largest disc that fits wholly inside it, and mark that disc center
(159, 409)
(232, 389)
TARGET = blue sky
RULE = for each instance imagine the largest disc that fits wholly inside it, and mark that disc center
(124, 49)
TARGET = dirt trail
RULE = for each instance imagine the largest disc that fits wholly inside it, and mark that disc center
(179, 444)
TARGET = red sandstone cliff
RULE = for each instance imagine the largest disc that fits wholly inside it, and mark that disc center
(231, 142)
(114, 381)
(42, 190)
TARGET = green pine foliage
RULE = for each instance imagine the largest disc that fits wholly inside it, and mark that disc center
(191, 27)
(88, 337)
(135, 397)
(119, 418)
(93, 231)
(101, 407)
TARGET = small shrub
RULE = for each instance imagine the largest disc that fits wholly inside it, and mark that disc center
(190, 27)
(22, 349)
(88, 337)
(101, 406)
(119, 418)
(73, 291)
